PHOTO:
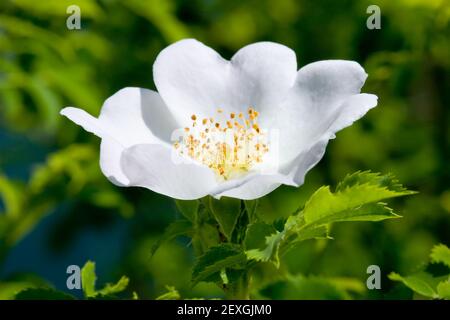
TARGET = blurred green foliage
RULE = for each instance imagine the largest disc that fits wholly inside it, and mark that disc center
(48, 164)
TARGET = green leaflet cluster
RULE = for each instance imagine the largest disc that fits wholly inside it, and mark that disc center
(89, 278)
(426, 283)
(357, 198)
(88, 281)
(229, 237)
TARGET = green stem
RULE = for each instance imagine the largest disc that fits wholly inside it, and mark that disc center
(240, 290)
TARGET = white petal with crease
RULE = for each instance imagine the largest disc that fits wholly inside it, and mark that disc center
(130, 116)
(153, 167)
(194, 79)
(315, 102)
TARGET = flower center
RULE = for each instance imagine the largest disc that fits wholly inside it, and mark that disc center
(230, 147)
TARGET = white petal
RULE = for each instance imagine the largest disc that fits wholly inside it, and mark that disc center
(256, 187)
(83, 119)
(194, 79)
(110, 153)
(329, 81)
(348, 112)
(157, 168)
(296, 171)
(315, 101)
(136, 115)
(130, 116)
(352, 109)
(266, 71)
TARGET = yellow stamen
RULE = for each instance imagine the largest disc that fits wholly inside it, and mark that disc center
(229, 149)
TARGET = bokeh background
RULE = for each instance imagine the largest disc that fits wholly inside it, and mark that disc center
(57, 209)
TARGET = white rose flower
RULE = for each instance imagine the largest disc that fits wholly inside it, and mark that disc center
(248, 125)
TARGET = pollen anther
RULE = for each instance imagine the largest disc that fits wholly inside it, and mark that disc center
(229, 149)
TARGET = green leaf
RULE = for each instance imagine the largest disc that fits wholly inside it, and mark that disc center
(365, 212)
(443, 289)
(270, 252)
(213, 261)
(295, 237)
(88, 279)
(356, 199)
(422, 283)
(426, 284)
(43, 294)
(205, 236)
(256, 234)
(440, 254)
(226, 211)
(251, 206)
(18, 282)
(175, 229)
(188, 208)
(320, 232)
(366, 177)
(224, 277)
(111, 289)
(264, 243)
(171, 294)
